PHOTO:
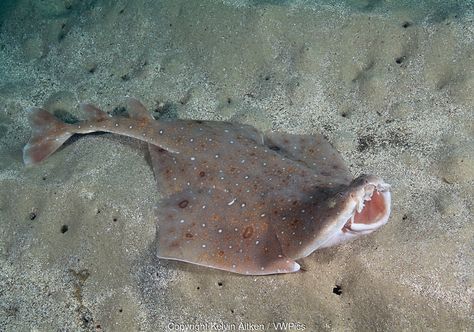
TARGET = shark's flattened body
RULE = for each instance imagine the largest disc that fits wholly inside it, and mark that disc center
(236, 199)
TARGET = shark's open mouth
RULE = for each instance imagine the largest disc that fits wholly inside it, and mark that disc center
(367, 210)
(371, 211)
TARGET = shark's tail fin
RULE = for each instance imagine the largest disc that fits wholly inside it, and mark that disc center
(48, 134)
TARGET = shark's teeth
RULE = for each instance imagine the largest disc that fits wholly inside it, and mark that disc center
(381, 187)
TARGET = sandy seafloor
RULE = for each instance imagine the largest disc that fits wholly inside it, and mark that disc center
(390, 83)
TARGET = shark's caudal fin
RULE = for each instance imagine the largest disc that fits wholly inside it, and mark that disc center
(48, 134)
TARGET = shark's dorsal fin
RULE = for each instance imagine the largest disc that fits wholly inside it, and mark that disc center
(136, 110)
(93, 113)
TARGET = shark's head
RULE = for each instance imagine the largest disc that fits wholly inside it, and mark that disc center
(366, 208)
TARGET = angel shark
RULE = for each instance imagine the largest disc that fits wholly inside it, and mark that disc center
(236, 199)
